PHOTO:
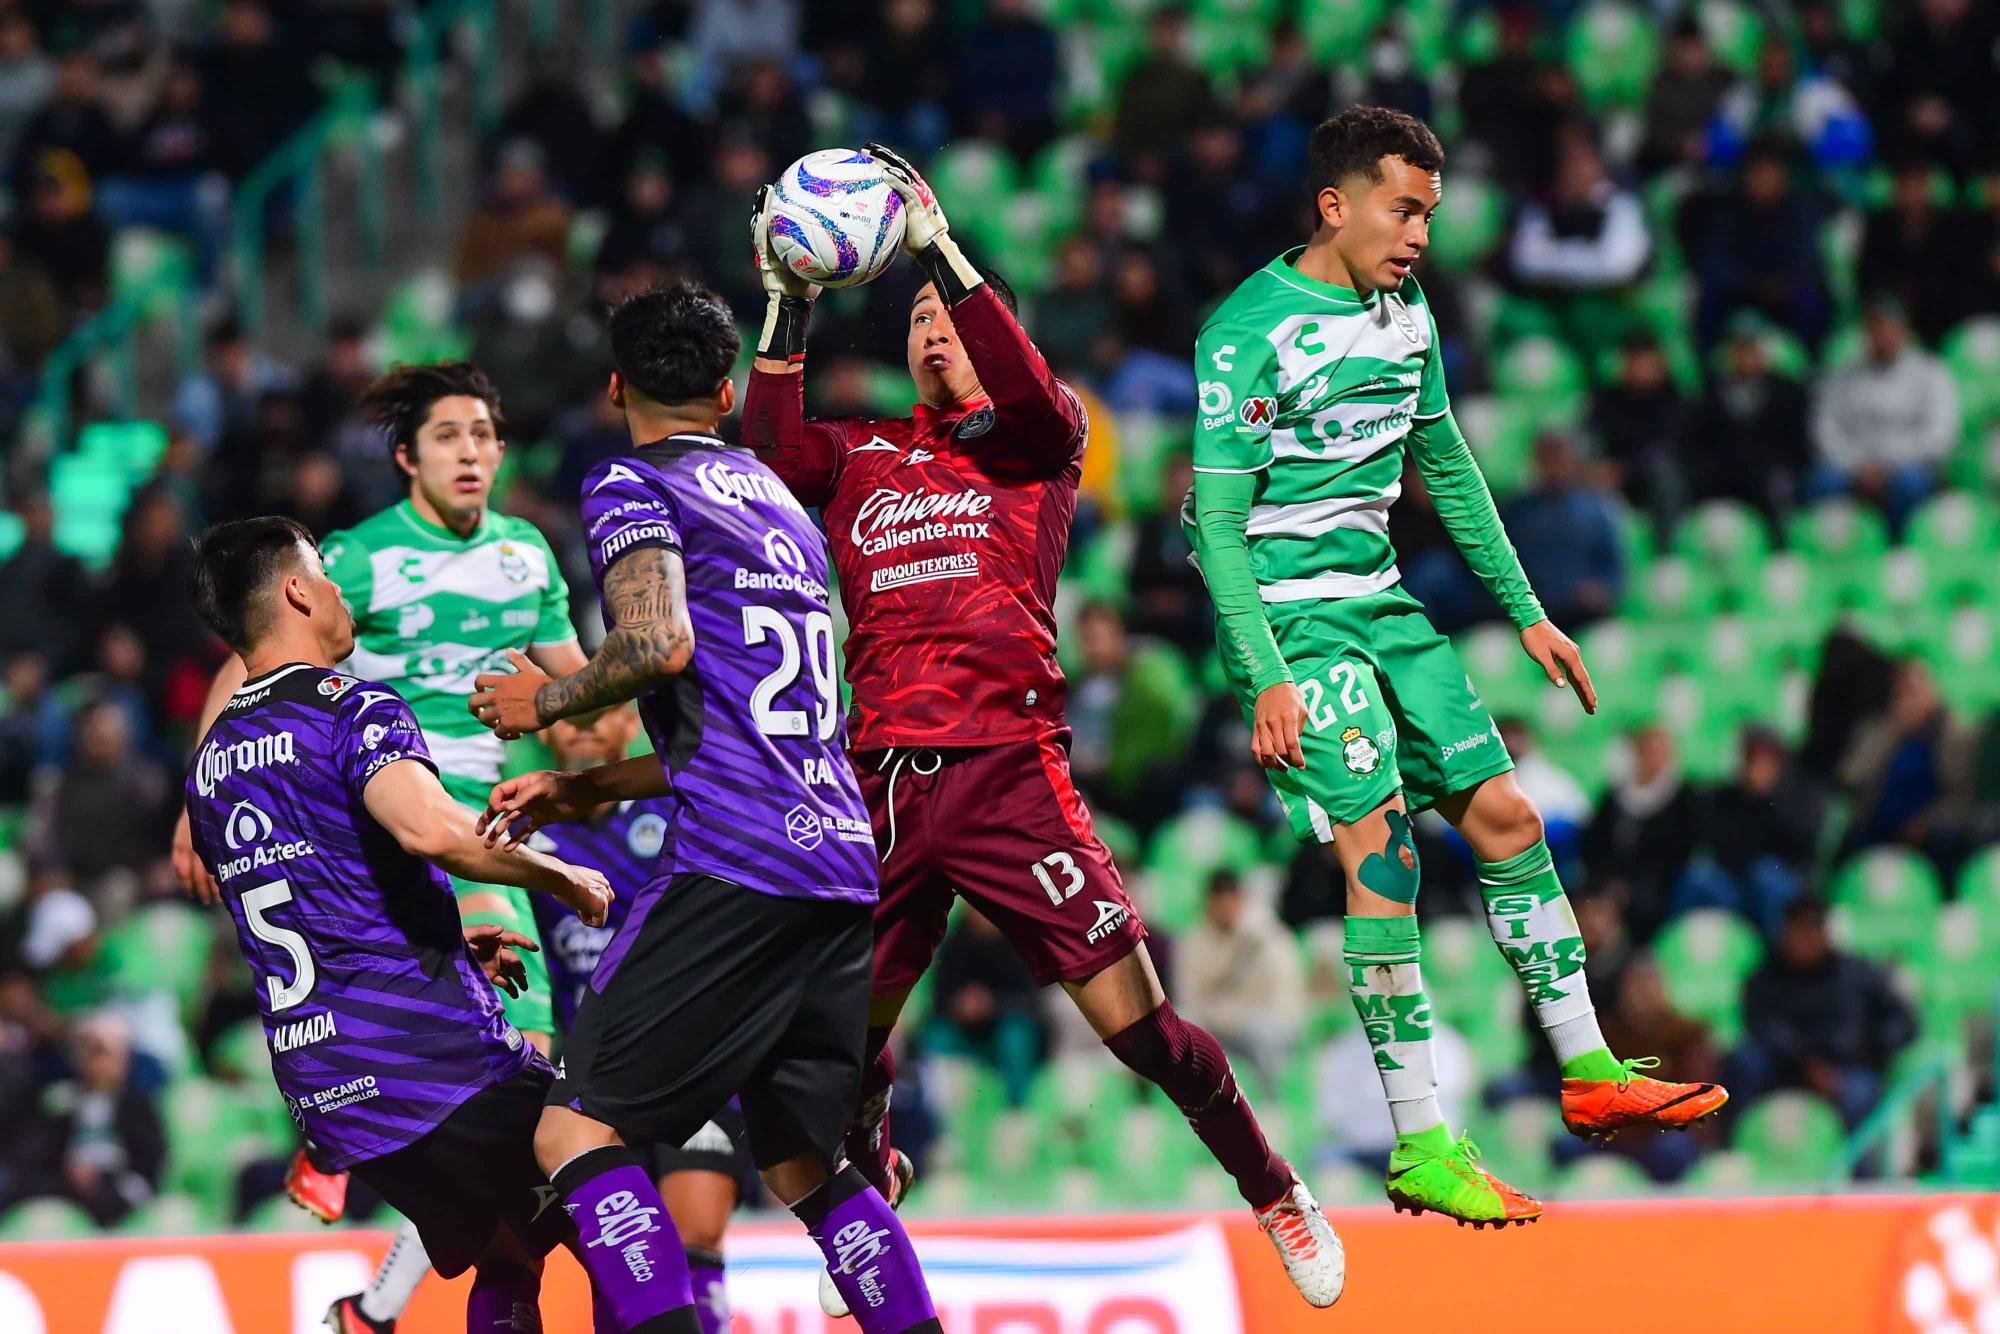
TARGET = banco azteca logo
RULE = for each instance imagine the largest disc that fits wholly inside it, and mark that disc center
(245, 827)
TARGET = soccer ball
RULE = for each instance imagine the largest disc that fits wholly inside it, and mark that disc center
(834, 220)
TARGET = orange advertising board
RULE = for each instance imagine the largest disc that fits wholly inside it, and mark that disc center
(1925, 1264)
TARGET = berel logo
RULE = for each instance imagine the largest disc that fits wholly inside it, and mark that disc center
(246, 825)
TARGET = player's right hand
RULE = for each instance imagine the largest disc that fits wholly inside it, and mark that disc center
(588, 892)
(1277, 725)
(194, 877)
(519, 806)
(777, 279)
(923, 217)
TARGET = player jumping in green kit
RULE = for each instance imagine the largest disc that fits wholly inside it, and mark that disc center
(1318, 375)
(442, 589)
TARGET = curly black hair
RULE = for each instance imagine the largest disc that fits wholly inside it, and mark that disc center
(674, 344)
(1355, 142)
(400, 402)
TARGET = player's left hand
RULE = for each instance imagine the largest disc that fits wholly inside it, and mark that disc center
(923, 216)
(505, 701)
(1559, 657)
(496, 950)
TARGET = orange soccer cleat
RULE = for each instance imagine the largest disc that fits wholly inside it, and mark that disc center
(1603, 1107)
(321, 1194)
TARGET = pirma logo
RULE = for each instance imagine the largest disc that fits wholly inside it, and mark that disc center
(246, 826)
(1110, 916)
(803, 827)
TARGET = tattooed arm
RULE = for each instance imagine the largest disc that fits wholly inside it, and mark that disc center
(651, 640)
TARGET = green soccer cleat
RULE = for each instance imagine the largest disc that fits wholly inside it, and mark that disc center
(1453, 1184)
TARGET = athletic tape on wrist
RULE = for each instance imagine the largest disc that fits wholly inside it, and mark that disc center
(785, 321)
(948, 268)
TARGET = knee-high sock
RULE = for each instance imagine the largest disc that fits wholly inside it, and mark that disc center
(1535, 927)
(869, 1255)
(1189, 1066)
(627, 1242)
(711, 1294)
(396, 1278)
(505, 1299)
(868, 1146)
(1387, 985)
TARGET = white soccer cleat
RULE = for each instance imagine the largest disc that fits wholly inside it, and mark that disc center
(1307, 1243)
(905, 1171)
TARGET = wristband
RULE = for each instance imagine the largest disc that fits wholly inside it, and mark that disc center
(948, 269)
(785, 321)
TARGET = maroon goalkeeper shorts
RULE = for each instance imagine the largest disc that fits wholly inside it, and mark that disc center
(1002, 826)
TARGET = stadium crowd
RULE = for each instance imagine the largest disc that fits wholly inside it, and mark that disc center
(1718, 283)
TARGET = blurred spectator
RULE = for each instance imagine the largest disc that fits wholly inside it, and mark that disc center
(1640, 422)
(254, 59)
(1238, 974)
(766, 106)
(99, 1140)
(1750, 433)
(109, 814)
(1131, 719)
(645, 226)
(147, 590)
(717, 221)
(1683, 100)
(61, 235)
(1853, 683)
(1564, 805)
(986, 1004)
(1915, 223)
(1013, 99)
(39, 585)
(1819, 1018)
(1432, 569)
(1226, 210)
(1642, 833)
(27, 78)
(327, 401)
(1637, 1015)
(33, 726)
(1512, 103)
(728, 36)
(1163, 97)
(221, 398)
(551, 114)
(1146, 305)
(1566, 530)
(1358, 1125)
(1757, 245)
(1883, 426)
(1279, 101)
(169, 173)
(33, 319)
(1169, 600)
(1909, 771)
(1813, 110)
(71, 121)
(1937, 94)
(907, 75)
(519, 219)
(657, 123)
(1069, 317)
(1585, 234)
(1759, 835)
(1390, 77)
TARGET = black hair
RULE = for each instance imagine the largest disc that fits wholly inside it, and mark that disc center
(233, 563)
(400, 402)
(674, 344)
(1001, 288)
(1355, 142)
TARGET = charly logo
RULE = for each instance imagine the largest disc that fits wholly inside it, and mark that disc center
(647, 835)
(246, 825)
(803, 827)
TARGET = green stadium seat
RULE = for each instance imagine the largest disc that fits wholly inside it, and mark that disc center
(1734, 32)
(1726, 1172)
(1843, 540)
(1612, 50)
(1742, 659)
(1963, 656)
(1056, 177)
(1972, 350)
(1794, 596)
(171, 1216)
(277, 1215)
(1543, 372)
(1623, 659)
(163, 948)
(1962, 981)
(1955, 534)
(1468, 231)
(1726, 538)
(1186, 850)
(46, 1220)
(1978, 884)
(1602, 1176)
(1672, 593)
(1473, 989)
(1886, 904)
(1502, 436)
(1705, 957)
(1791, 1138)
(1338, 34)
(1516, 1137)
(1507, 679)
(979, 178)
(1226, 45)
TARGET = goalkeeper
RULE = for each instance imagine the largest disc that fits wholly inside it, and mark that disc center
(1317, 375)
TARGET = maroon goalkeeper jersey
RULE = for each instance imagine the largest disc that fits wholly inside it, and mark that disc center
(948, 529)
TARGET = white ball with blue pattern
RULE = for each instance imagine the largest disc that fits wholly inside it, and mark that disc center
(834, 219)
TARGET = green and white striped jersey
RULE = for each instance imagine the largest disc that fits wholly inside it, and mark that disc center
(432, 610)
(1315, 388)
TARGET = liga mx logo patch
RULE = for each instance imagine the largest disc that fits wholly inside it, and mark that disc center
(1256, 415)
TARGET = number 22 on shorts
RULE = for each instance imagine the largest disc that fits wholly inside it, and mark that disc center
(1319, 712)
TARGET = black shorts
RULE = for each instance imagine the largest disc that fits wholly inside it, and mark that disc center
(722, 1145)
(726, 991)
(473, 1172)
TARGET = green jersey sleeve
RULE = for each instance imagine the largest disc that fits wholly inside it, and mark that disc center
(1432, 400)
(347, 563)
(1217, 514)
(553, 626)
(1237, 368)
(1465, 508)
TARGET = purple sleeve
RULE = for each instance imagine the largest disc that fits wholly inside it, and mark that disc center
(624, 510)
(376, 729)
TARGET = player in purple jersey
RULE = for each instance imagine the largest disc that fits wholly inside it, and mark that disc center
(702, 1180)
(744, 966)
(314, 803)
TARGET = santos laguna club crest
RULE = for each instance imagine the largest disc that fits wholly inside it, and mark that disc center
(1360, 753)
(1406, 323)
